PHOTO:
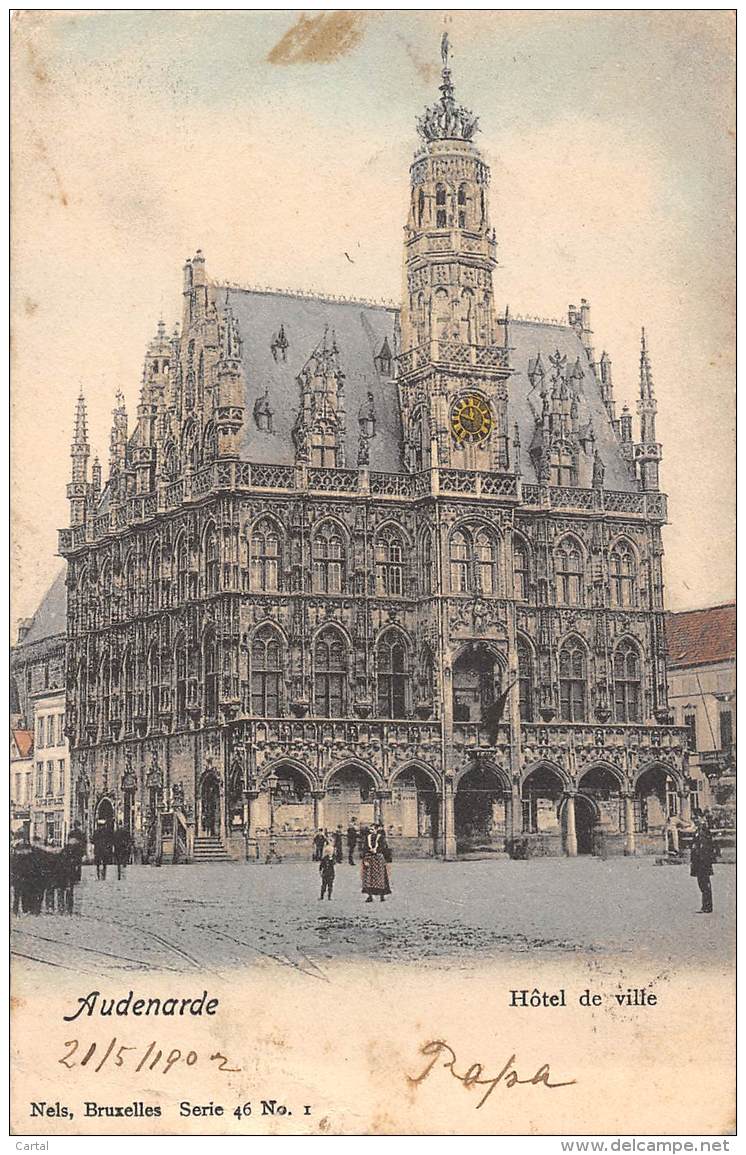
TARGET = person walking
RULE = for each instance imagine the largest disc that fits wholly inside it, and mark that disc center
(76, 841)
(121, 844)
(102, 849)
(374, 872)
(352, 837)
(703, 855)
(338, 853)
(318, 845)
(327, 867)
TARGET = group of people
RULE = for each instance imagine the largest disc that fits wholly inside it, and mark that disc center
(111, 844)
(374, 861)
(44, 876)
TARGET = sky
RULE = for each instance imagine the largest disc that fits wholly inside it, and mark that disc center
(277, 142)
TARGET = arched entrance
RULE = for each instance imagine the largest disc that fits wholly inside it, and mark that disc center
(350, 793)
(481, 807)
(586, 820)
(541, 797)
(414, 810)
(292, 800)
(656, 800)
(209, 809)
(602, 787)
(105, 812)
(476, 682)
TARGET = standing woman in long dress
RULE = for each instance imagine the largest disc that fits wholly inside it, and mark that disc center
(373, 870)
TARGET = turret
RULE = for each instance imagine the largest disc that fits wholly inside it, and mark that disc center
(118, 440)
(230, 385)
(607, 387)
(77, 490)
(320, 429)
(580, 321)
(647, 451)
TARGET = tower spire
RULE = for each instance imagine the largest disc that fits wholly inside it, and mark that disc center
(648, 451)
(77, 490)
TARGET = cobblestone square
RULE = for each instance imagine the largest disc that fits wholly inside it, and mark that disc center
(218, 917)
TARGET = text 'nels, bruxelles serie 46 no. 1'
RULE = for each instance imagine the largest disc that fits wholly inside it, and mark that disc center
(354, 561)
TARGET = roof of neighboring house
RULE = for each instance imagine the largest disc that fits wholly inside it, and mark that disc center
(360, 332)
(700, 637)
(24, 740)
(51, 616)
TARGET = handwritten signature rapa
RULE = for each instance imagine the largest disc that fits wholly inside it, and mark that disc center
(473, 1076)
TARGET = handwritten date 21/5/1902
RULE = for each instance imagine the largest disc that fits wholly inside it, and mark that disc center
(138, 1058)
(474, 1076)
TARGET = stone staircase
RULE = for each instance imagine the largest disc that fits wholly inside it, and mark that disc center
(209, 849)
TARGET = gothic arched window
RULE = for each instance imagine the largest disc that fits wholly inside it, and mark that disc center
(442, 314)
(573, 680)
(128, 678)
(154, 576)
(525, 681)
(265, 557)
(462, 206)
(209, 445)
(393, 675)
(330, 671)
(485, 558)
(420, 206)
(427, 562)
(440, 206)
(180, 663)
(459, 563)
(520, 569)
(421, 319)
(181, 555)
(154, 674)
(266, 672)
(627, 683)
(562, 470)
(210, 674)
(328, 555)
(569, 571)
(420, 440)
(623, 569)
(389, 557)
(212, 561)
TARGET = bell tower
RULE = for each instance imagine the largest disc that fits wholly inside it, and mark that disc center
(454, 358)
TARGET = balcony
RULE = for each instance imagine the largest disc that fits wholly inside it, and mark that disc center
(453, 354)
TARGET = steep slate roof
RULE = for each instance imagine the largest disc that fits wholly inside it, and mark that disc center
(24, 742)
(699, 637)
(360, 331)
(51, 616)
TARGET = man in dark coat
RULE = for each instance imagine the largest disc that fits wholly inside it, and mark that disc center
(703, 855)
(121, 845)
(102, 847)
(338, 852)
(318, 845)
(77, 843)
(352, 836)
(21, 875)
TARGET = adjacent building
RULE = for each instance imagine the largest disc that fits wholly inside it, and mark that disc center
(40, 761)
(702, 692)
(362, 561)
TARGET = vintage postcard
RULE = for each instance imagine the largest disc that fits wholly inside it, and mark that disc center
(372, 679)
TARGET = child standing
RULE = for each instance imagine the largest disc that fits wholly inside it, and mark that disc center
(326, 869)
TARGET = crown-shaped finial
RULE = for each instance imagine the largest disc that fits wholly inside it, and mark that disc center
(447, 120)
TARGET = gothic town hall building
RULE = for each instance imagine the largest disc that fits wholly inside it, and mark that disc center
(360, 561)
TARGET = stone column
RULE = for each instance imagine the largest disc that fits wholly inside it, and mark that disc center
(508, 817)
(571, 845)
(318, 809)
(252, 846)
(629, 825)
(449, 820)
(382, 796)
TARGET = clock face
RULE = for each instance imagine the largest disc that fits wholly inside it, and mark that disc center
(471, 419)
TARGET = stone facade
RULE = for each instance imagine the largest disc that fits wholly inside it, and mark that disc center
(356, 562)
